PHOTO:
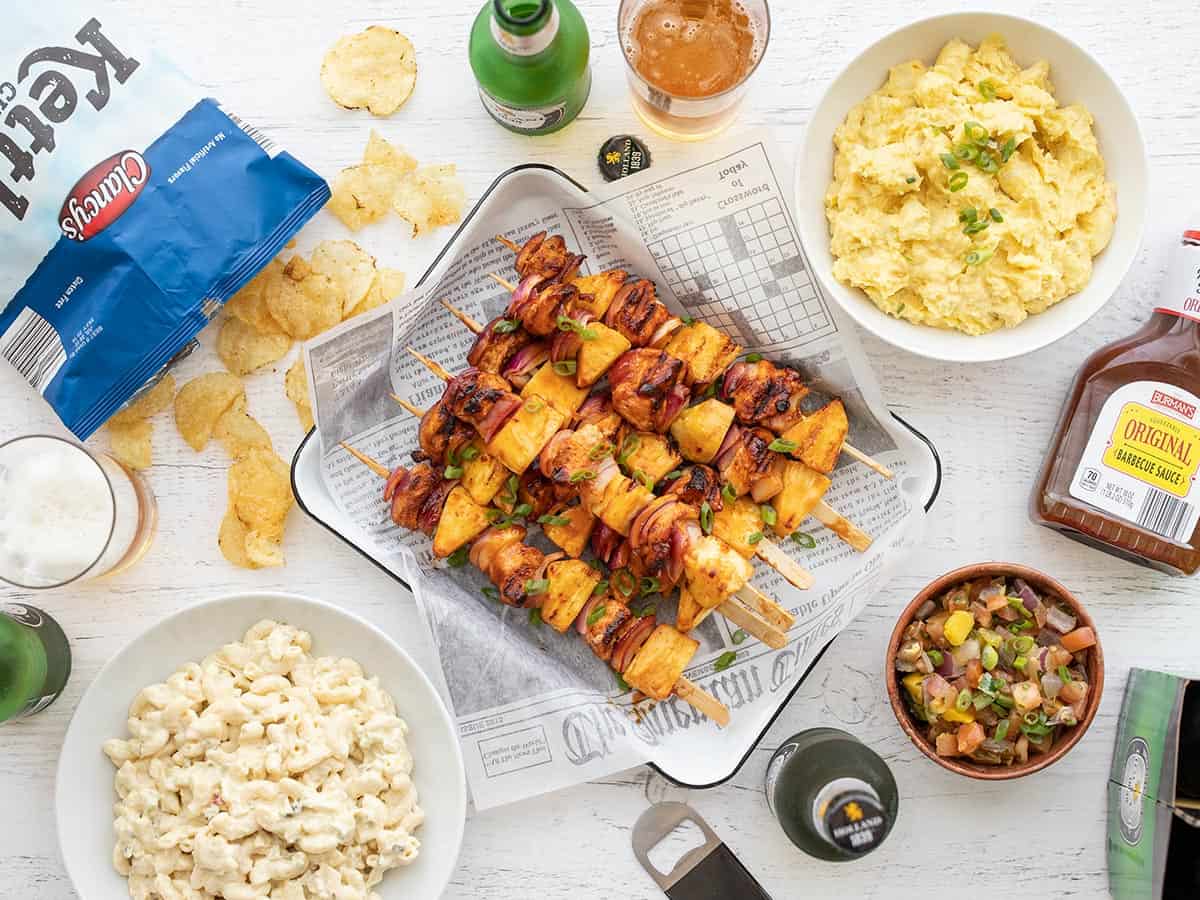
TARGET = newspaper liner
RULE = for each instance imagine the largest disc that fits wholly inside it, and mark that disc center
(536, 710)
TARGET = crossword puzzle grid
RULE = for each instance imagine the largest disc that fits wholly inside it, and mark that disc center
(743, 273)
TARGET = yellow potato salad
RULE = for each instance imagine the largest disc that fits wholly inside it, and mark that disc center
(964, 197)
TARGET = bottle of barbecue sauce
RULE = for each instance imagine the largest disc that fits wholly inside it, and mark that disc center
(1121, 472)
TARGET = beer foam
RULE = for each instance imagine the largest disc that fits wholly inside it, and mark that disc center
(672, 19)
(56, 512)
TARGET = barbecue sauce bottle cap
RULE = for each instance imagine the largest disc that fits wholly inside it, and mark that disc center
(622, 155)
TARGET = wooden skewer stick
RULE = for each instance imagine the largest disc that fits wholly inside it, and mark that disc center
(511, 245)
(841, 526)
(471, 324)
(430, 364)
(685, 690)
(849, 449)
(853, 452)
(755, 621)
(408, 407)
(770, 553)
(758, 602)
(701, 700)
(503, 282)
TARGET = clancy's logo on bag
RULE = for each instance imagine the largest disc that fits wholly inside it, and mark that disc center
(101, 196)
(55, 96)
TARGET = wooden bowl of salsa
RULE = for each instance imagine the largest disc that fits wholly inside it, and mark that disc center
(995, 671)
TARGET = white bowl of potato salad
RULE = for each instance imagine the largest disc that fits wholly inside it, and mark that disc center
(261, 745)
(972, 187)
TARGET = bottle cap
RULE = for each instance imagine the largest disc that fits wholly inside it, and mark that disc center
(622, 155)
(856, 822)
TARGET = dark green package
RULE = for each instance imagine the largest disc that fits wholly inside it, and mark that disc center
(1154, 791)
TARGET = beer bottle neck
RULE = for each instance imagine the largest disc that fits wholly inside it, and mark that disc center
(524, 27)
(1180, 296)
(848, 814)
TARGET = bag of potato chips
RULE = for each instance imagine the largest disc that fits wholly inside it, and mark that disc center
(132, 207)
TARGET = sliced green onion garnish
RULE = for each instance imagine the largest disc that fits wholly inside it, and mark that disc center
(739, 636)
(728, 492)
(549, 519)
(537, 585)
(647, 609)
(469, 453)
(1023, 644)
(706, 517)
(506, 326)
(1005, 702)
(968, 214)
(589, 334)
(1006, 152)
(753, 357)
(989, 657)
(458, 558)
(966, 152)
(1064, 675)
(977, 257)
(804, 539)
(649, 586)
(600, 588)
(452, 472)
(493, 515)
(987, 89)
(754, 537)
(600, 451)
(1002, 730)
(987, 163)
(976, 227)
(564, 367)
(782, 445)
(1019, 663)
(687, 320)
(963, 700)
(958, 181)
(935, 657)
(490, 592)
(582, 475)
(535, 616)
(623, 581)
(522, 510)
(672, 475)
(629, 447)
(596, 614)
(995, 214)
(725, 660)
(975, 132)
(625, 688)
(646, 481)
(949, 161)
(768, 514)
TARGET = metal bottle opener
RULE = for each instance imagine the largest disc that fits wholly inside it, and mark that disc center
(708, 872)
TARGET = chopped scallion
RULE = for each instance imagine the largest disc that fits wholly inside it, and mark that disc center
(782, 445)
(739, 636)
(549, 519)
(706, 517)
(805, 540)
(596, 614)
(565, 367)
(725, 660)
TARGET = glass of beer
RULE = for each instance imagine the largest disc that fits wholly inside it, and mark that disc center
(689, 61)
(67, 513)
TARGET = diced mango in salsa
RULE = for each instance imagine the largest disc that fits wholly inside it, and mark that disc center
(958, 626)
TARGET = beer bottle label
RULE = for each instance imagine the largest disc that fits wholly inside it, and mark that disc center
(527, 44)
(1182, 294)
(1141, 460)
(530, 119)
(848, 813)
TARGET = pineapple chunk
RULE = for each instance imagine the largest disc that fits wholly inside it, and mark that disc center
(802, 489)
(597, 291)
(714, 571)
(557, 390)
(736, 522)
(707, 352)
(621, 503)
(571, 584)
(653, 455)
(596, 356)
(914, 684)
(573, 537)
(525, 434)
(819, 437)
(483, 477)
(461, 522)
(690, 613)
(701, 429)
(660, 662)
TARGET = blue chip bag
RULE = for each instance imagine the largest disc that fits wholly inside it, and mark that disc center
(131, 206)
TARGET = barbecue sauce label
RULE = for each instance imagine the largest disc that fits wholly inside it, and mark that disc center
(1141, 460)
(1182, 295)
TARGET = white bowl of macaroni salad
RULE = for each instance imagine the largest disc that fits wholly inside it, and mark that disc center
(261, 746)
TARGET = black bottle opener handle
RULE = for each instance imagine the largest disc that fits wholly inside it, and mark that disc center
(708, 872)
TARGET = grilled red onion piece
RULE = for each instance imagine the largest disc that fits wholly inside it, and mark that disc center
(519, 369)
(395, 483)
(503, 410)
(633, 636)
(672, 406)
(581, 624)
(1060, 620)
(664, 331)
(431, 509)
(523, 294)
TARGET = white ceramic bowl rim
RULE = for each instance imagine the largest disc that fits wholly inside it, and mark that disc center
(63, 807)
(1038, 330)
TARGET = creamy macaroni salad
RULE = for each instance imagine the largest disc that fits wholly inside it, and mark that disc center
(263, 772)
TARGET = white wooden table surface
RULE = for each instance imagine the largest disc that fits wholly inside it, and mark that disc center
(1044, 835)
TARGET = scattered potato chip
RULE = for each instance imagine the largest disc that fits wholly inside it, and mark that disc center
(382, 152)
(295, 383)
(260, 491)
(200, 403)
(250, 303)
(387, 286)
(363, 194)
(349, 267)
(263, 551)
(238, 431)
(376, 69)
(131, 442)
(231, 538)
(430, 196)
(244, 349)
(303, 302)
(151, 403)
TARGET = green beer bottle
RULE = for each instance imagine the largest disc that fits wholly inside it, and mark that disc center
(35, 661)
(833, 795)
(530, 58)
